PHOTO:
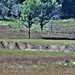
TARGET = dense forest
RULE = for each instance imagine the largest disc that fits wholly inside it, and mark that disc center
(12, 8)
(68, 8)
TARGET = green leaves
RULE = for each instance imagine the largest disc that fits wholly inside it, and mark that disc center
(40, 10)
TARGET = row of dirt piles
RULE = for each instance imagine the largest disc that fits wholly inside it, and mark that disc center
(37, 47)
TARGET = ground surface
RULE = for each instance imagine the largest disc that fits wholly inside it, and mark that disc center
(10, 65)
(18, 62)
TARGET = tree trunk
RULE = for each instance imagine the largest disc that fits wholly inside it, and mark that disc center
(18, 22)
(51, 28)
(41, 24)
(29, 33)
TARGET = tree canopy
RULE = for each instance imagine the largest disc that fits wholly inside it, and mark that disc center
(41, 10)
(8, 6)
(38, 11)
(68, 8)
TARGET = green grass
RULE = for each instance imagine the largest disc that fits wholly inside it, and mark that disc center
(42, 41)
(8, 52)
(66, 23)
(8, 22)
(69, 24)
(54, 22)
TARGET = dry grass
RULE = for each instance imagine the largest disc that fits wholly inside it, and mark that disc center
(43, 72)
(34, 66)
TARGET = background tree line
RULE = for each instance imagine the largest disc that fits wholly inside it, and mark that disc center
(10, 8)
(68, 8)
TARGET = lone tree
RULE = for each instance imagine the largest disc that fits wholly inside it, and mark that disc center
(29, 22)
(28, 13)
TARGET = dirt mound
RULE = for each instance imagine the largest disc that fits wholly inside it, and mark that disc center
(37, 47)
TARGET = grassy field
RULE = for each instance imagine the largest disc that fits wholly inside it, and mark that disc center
(42, 41)
(34, 53)
(17, 62)
(68, 23)
(20, 62)
(60, 28)
(55, 22)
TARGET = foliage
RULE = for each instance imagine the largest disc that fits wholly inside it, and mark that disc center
(68, 7)
(9, 8)
(38, 11)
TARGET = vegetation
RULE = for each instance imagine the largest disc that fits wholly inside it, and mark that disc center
(8, 52)
(64, 28)
(68, 8)
(35, 65)
(39, 63)
(22, 14)
(34, 11)
(31, 12)
(42, 41)
(7, 8)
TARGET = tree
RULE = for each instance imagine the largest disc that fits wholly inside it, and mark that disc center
(68, 7)
(48, 9)
(3, 11)
(40, 10)
(15, 12)
(29, 22)
(7, 7)
(27, 13)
